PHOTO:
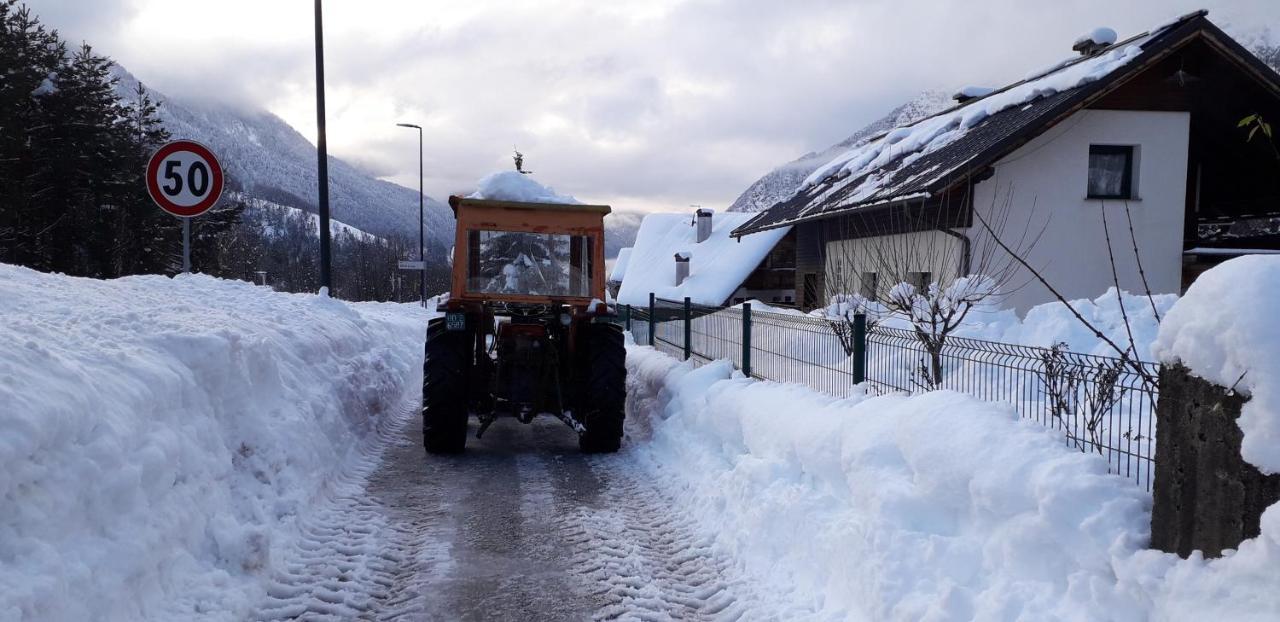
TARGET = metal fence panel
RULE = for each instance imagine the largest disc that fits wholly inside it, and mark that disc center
(1102, 405)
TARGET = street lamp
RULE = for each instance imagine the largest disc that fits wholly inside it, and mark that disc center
(422, 256)
(322, 155)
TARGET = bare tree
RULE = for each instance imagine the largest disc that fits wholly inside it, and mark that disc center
(918, 262)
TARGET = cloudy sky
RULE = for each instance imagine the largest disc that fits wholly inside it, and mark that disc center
(649, 104)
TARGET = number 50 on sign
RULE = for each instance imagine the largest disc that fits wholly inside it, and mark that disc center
(184, 178)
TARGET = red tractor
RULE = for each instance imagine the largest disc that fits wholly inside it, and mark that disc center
(525, 331)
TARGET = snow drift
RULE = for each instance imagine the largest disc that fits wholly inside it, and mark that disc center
(159, 437)
(933, 507)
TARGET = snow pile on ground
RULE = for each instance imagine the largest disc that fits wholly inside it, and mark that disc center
(932, 507)
(516, 186)
(936, 507)
(1225, 330)
(717, 265)
(1051, 323)
(162, 437)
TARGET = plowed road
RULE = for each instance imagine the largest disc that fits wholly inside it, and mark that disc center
(521, 527)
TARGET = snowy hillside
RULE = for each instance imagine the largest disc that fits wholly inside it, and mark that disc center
(163, 438)
(336, 227)
(620, 229)
(781, 182)
(272, 161)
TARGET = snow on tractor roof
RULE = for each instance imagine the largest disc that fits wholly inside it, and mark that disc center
(517, 187)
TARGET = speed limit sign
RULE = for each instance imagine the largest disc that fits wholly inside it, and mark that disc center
(184, 178)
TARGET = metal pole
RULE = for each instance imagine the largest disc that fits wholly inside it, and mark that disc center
(859, 348)
(322, 154)
(651, 322)
(626, 316)
(186, 245)
(688, 328)
(746, 339)
(422, 253)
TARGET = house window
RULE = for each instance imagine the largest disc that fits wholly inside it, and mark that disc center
(1110, 172)
(870, 283)
(787, 299)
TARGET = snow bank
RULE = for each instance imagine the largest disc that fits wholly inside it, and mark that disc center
(718, 265)
(1224, 329)
(516, 186)
(934, 507)
(159, 438)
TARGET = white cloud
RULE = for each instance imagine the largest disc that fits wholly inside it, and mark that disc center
(652, 102)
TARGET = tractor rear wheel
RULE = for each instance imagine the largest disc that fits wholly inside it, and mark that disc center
(606, 389)
(444, 388)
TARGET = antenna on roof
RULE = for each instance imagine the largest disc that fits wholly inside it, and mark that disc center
(519, 158)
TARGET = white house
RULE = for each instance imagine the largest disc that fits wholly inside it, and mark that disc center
(693, 255)
(1129, 144)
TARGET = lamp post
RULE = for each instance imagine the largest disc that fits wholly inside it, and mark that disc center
(322, 155)
(422, 274)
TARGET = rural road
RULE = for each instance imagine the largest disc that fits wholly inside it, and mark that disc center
(520, 527)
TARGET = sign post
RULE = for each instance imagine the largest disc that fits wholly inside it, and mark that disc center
(185, 179)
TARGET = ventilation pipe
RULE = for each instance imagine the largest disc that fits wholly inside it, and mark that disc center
(682, 266)
(704, 224)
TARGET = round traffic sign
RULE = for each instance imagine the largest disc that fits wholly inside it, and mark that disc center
(184, 178)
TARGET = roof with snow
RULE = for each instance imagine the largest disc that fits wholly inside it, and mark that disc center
(939, 153)
(717, 267)
(619, 271)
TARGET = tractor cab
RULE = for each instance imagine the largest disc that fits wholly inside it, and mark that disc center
(526, 331)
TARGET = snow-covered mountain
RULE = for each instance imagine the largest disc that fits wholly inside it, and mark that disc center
(781, 182)
(620, 229)
(267, 159)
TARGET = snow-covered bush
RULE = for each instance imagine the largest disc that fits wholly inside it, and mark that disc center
(160, 438)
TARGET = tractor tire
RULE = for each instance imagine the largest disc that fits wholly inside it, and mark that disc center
(444, 388)
(606, 389)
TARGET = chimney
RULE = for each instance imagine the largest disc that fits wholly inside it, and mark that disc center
(704, 224)
(970, 93)
(1096, 42)
(682, 266)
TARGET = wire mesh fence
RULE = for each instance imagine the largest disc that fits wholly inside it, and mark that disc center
(1102, 405)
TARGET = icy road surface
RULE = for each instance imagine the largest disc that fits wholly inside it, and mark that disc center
(521, 527)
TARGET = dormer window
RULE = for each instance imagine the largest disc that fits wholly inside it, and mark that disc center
(1111, 172)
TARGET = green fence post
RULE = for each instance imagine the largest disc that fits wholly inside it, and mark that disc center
(626, 316)
(746, 339)
(859, 348)
(688, 328)
(651, 323)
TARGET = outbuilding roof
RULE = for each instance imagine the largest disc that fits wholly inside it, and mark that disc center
(717, 265)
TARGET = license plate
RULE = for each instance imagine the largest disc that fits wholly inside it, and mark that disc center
(455, 321)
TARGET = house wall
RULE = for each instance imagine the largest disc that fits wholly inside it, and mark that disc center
(934, 252)
(1044, 182)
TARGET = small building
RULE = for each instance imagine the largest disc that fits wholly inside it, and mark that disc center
(618, 272)
(693, 255)
(1129, 154)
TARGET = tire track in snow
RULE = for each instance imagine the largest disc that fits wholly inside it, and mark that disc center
(356, 557)
(645, 558)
